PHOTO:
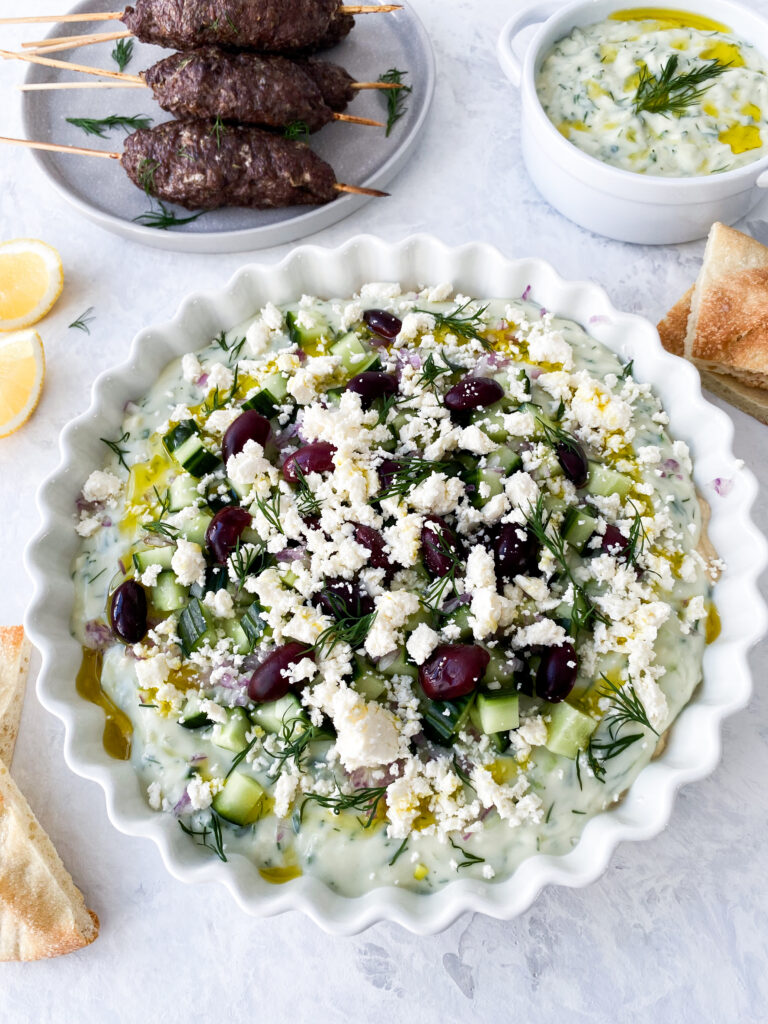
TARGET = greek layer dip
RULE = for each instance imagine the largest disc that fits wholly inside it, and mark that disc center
(658, 92)
(395, 589)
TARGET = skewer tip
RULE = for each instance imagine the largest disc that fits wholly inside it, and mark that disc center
(358, 191)
(351, 119)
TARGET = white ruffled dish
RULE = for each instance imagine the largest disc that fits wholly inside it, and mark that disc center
(479, 270)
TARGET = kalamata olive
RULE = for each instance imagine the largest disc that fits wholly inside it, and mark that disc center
(312, 458)
(371, 539)
(574, 462)
(249, 426)
(373, 384)
(225, 530)
(380, 322)
(340, 598)
(387, 471)
(438, 543)
(614, 541)
(453, 670)
(556, 673)
(515, 552)
(129, 612)
(473, 393)
(269, 681)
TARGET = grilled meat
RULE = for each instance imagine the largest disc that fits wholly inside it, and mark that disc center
(202, 166)
(333, 82)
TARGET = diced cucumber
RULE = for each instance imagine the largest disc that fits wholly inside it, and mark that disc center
(182, 432)
(539, 416)
(565, 610)
(190, 453)
(498, 712)
(460, 618)
(183, 492)
(499, 670)
(370, 685)
(487, 483)
(491, 422)
(446, 718)
(231, 735)
(400, 666)
(192, 717)
(307, 327)
(578, 527)
(569, 730)
(234, 630)
(605, 481)
(273, 392)
(253, 625)
(194, 627)
(241, 801)
(355, 355)
(277, 715)
(504, 458)
(167, 594)
(195, 527)
(161, 556)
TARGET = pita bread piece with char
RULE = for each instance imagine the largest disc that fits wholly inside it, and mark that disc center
(42, 912)
(14, 666)
(678, 331)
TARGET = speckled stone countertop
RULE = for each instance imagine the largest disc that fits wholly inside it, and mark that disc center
(675, 931)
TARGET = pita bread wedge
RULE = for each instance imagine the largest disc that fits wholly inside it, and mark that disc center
(672, 330)
(728, 325)
(42, 912)
(14, 666)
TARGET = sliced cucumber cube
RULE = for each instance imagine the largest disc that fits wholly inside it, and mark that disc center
(182, 432)
(240, 642)
(569, 730)
(231, 735)
(355, 355)
(273, 392)
(167, 594)
(578, 527)
(307, 327)
(499, 670)
(192, 717)
(253, 625)
(161, 556)
(446, 718)
(460, 619)
(241, 801)
(498, 712)
(370, 685)
(183, 492)
(486, 483)
(194, 627)
(193, 456)
(604, 481)
(195, 527)
(400, 666)
(540, 418)
(277, 715)
(505, 458)
(491, 422)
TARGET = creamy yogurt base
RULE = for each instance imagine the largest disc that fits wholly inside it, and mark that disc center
(479, 803)
(588, 82)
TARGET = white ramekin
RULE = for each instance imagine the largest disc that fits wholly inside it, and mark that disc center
(475, 269)
(621, 204)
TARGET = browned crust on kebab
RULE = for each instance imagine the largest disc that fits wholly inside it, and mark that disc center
(198, 167)
(333, 81)
(246, 87)
(273, 26)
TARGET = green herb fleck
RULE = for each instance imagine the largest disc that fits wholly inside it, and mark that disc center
(306, 503)
(297, 130)
(81, 324)
(115, 448)
(346, 627)
(464, 324)
(400, 850)
(215, 845)
(366, 800)
(410, 474)
(100, 126)
(218, 128)
(163, 218)
(122, 53)
(672, 92)
(469, 858)
(395, 98)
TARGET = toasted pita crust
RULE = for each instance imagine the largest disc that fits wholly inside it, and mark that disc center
(42, 912)
(14, 666)
(672, 329)
(728, 326)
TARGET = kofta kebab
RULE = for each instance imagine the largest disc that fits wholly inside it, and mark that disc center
(221, 93)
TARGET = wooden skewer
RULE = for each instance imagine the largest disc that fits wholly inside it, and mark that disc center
(45, 86)
(50, 62)
(72, 42)
(376, 85)
(118, 15)
(56, 40)
(358, 120)
(53, 147)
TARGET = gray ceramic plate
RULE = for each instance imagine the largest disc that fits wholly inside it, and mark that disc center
(102, 192)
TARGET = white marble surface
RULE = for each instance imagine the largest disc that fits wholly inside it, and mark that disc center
(677, 928)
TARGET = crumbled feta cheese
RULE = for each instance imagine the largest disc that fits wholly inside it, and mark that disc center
(272, 316)
(149, 577)
(392, 611)
(188, 563)
(152, 672)
(472, 439)
(214, 711)
(155, 795)
(87, 526)
(220, 603)
(102, 486)
(248, 465)
(200, 793)
(422, 641)
(438, 494)
(367, 734)
(191, 370)
(284, 794)
(220, 377)
(414, 324)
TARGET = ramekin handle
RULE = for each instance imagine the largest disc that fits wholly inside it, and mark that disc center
(529, 14)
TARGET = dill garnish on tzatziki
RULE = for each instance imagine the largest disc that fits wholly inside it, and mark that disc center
(393, 589)
(660, 92)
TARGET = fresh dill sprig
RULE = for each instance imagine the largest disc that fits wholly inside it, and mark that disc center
(626, 370)
(101, 125)
(218, 401)
(145, 174)
(626, 706)
(218, 128)
(469, 858)
(395, 98)
(163, 218)
(672, 92)
(386, 405)
(346, 627)
(411, 473)
(306, 502)
(164, 502)
(557, 438)
(297, 130)
(243, 560)
(465, 326)
(216, 845)
(435, 592)
(81, 323)
(115, 448)
(461, 772)
(637, 538)
(400, 850)
(122, 53)
(92, 579)
(232, 25)
(161, 529)
(600, 751)
(432, 370)
(366, 800)
(270, 509)
(584, 611)
(232, 351)
(294, 747)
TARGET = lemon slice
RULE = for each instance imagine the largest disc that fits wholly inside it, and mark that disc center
(22, 371)
(31, 279)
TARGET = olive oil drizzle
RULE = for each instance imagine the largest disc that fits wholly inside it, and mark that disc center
(117, 726)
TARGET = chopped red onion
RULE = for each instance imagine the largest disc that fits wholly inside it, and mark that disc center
(723, 485)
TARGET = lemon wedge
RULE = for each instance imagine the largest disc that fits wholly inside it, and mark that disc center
(31, 279)
(22, 371)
